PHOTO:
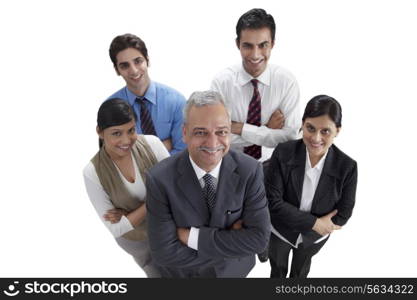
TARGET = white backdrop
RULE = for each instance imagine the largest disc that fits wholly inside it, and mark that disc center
(55, 72)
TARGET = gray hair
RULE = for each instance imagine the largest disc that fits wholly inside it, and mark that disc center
(204, 98)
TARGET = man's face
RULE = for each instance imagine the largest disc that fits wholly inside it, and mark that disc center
(255, 47)
(133, 67)
(207, 135)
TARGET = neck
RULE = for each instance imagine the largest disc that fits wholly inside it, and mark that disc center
(314, 160)
(140, 90)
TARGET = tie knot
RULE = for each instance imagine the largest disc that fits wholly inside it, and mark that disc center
(254, 82)
(140, 100)
(208, 179)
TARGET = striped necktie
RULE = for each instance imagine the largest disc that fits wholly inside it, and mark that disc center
(146, 122)
(254, 118)
(209, 191)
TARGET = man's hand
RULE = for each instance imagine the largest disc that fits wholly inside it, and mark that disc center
(237, 128)
(237, 225)
(183, 234)
(114, 215)
(277, 120)
(168, 144)
(324, 225)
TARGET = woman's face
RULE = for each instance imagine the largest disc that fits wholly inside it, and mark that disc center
(119, 140)
(318, 135)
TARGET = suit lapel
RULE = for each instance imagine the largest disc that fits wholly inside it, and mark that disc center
(326, 180)
(297, 165)
(226, 190)
(190, 186)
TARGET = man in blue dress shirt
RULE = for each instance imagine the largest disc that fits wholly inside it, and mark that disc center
(158, 107)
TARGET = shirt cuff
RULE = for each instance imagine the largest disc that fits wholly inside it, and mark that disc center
(193, 238)
(249, 132)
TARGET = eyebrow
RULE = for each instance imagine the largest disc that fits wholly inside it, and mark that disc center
(308, 123)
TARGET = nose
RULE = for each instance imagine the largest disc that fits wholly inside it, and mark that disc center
(211, 140)
(256, 53)
(125, 139)
(133, 69)
(316, 137)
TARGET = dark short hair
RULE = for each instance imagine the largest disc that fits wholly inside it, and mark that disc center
(324, 105)
(114, 112)
(256, 18)
(122, 42)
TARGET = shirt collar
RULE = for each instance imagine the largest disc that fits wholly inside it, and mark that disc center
(244, 77)
(200, 172)
(150, 94)
(319, 166)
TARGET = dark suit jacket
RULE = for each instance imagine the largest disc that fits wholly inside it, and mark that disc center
(284, 184)
(175, 199)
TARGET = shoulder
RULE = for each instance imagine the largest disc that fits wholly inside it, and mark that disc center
(343, 160)
(245, 163)
(169, 93)
(281, 74)
(228, 74)
(156, 146)
(166, 167)
(121, 94)
(89, 172)
(152, 140)
(285, 151)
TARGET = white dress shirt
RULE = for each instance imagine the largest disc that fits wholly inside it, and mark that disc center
(101, 200)
(278, 89)
(194, 232)
(311, 180)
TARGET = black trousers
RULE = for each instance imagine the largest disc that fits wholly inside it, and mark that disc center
(279, 252)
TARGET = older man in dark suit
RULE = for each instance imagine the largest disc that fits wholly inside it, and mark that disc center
(207, 211)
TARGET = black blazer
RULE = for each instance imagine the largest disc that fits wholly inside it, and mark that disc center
(284, 184)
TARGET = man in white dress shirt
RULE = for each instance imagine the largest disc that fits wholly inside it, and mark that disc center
(263, 98)
(274, 87)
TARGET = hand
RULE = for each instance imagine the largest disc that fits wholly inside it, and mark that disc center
(237, 128)
(183, 234)
(277, 120)
(237, 225)
(114, 215)
(324, 225)
(168, 144)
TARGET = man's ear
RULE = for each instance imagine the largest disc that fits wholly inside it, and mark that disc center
(184, 133)
(117, 71)
(237, 43)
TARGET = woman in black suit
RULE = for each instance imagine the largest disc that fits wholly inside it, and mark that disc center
(311, 186)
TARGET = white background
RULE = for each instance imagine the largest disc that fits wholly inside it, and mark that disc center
(55, 72)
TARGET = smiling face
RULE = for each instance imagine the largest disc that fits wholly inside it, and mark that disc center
(206, 134)
(255, 47)
(318, 135)
(133, 67)
(119, 140)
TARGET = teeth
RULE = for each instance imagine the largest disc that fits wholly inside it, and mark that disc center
(316, 145)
